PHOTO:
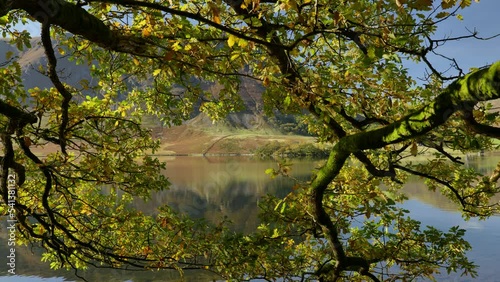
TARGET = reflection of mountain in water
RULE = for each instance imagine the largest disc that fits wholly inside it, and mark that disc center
(212, 188)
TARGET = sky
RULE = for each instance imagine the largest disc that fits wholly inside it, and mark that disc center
(482, 17)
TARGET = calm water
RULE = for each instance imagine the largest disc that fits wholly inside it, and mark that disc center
(231, 186)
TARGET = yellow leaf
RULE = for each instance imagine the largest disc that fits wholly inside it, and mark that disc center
(242, 43)
(287, 5)
(136, 62)
(156, 72)
(235, 56)
(176, 46)
(231, 40)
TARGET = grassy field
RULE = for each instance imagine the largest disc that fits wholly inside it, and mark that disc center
(189, 140)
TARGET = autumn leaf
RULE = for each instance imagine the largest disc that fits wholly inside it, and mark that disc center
(169, 55)
(146, 32)
(156, 72)
(231, 40)
(266, 81)
(423, 5)
(414, 149)
(441, 15)
(465, 3)
(446, 4)
(215, 12)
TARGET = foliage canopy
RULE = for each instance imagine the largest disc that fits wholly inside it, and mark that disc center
(342, 61)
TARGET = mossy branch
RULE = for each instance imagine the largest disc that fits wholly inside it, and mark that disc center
(462, 94)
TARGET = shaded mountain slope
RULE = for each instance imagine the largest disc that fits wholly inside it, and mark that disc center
(240, 132)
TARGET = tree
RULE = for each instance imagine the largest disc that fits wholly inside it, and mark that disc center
(343, 61)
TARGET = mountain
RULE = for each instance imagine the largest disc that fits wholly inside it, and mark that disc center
(31, 58)
(205, 135)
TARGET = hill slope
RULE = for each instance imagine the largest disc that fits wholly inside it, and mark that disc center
(240, 132)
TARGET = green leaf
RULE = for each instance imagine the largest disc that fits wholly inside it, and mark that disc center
(287, 101)
(441, 15)
(414, 149)
(9, 55)
(4, 20)
(270, 171)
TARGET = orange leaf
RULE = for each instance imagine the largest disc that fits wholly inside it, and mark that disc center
(266, 81)
(215, 13)
(146, 32)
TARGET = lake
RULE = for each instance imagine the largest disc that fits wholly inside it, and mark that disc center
(215, 187)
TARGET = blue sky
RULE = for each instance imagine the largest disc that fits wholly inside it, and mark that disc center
(482, 17)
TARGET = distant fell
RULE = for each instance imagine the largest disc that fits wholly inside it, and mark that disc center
(252, 118)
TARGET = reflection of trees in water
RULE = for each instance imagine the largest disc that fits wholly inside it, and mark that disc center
(483, 164)
(237, 200)
(215, 187)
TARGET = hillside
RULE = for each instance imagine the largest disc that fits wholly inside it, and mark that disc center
(186, 139)
(240, 132)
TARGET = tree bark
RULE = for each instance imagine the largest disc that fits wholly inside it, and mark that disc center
(78, 21)
(462, 94)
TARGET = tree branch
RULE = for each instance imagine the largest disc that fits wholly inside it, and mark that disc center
(52, 63)
(483, 129)
(17, 114)
(78, 21)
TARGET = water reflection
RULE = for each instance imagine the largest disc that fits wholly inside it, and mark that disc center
(231, 186)
(219, 187)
